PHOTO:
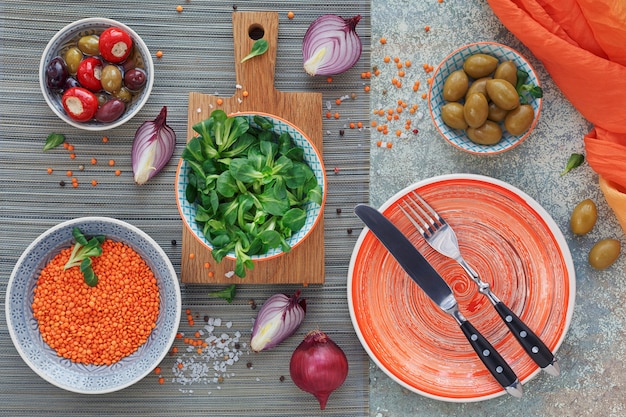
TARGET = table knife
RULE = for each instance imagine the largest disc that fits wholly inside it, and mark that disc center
(425, 276)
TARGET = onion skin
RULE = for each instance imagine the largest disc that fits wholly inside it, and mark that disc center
(279, 317)
(331, 45)
(153, 147)
(318, 366)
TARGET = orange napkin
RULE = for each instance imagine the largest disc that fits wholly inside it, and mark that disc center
(582, 44)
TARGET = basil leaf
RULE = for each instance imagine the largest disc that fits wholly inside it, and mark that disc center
(53, 140)
(259, 47)
(575, 160)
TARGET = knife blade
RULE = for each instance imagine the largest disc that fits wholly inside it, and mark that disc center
(425, 276)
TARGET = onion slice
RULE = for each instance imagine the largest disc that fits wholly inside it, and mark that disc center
(279, 317)
(153, 147)
(331, 45)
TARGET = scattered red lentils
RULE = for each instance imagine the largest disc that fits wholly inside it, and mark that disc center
(219, 101)
(179, 8)
(111, 162)
(105, 139)
(118, 172)
(49, 170)
(427, 28)
(290, 15)
(94, 182)
(245, 94)
(329, 79)
(68, 173)
(159, 54)
(383, 40)
(192, 255)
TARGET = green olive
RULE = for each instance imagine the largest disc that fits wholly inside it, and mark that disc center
(455, 86)
(496, 114)
(480, 65)
(478, 86)
(89, 45)
(102, 98)
(503, 94)
(507, 70)
(123, 94)
(73, 56)
(111, 78)
(604, 253)
(452, 115)
(518, 120)
(475, 110)
(584, 217)
(488, 134)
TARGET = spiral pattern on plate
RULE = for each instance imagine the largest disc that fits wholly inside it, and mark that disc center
(513, 247)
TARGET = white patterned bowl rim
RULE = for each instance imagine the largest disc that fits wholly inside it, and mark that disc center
(453, 62)
(87, 26)
(80, 378)
(313, 211)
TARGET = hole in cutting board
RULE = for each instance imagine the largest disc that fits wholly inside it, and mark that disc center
(256, 32)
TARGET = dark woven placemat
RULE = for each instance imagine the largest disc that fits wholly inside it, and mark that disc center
(197, 56)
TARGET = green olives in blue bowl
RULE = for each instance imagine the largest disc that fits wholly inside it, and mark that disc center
(485, 98)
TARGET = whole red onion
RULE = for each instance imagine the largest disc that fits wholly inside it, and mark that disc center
(318, 366)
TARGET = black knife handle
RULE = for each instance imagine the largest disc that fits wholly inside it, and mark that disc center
(531, 343)
(494, 362)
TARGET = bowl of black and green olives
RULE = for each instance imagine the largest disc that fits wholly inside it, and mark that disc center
(485, 98)
(96, 74)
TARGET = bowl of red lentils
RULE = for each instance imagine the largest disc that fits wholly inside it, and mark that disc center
(93, 305)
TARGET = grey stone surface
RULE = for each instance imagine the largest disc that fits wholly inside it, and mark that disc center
(593, 353)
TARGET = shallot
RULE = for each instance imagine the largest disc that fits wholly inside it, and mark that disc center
(331, 45)
(153, 147)
(318, 366)
(279, 317)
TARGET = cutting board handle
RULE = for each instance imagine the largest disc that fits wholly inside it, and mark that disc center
(256, 75)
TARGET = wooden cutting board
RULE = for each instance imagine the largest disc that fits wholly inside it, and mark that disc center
(305, 263)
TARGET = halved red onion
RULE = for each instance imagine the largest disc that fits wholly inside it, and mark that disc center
(279, 317)
(331, 45)
(153, 147)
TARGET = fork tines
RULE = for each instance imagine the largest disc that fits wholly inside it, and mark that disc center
(422, 215)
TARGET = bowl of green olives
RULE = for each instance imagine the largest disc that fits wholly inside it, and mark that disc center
(485, 98)
(96, 74)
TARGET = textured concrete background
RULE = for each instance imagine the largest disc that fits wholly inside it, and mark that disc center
(593, 353)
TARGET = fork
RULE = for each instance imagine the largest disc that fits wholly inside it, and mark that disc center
(441, 237)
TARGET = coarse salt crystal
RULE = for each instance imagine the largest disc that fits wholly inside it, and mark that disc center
(217, 322)
(229, 324)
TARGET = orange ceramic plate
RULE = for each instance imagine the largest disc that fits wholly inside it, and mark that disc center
(514, 245)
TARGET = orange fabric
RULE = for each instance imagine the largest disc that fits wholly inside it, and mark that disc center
(582, 44)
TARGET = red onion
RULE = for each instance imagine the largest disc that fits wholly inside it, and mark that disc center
(318, 366)
(278, 319)
(152, 148)
(331, 45)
